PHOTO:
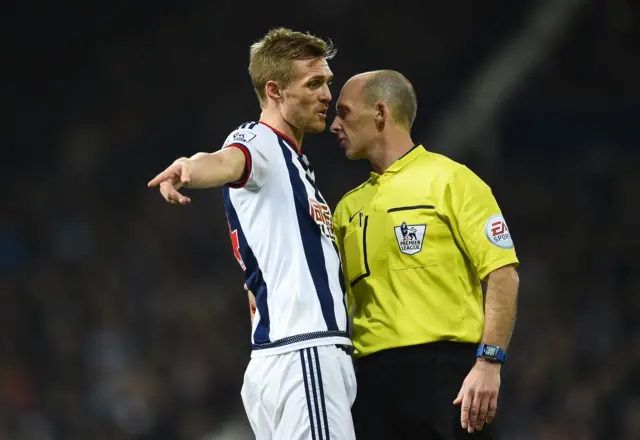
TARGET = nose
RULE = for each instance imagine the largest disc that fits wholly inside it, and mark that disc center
(326, 97)
(335, 127)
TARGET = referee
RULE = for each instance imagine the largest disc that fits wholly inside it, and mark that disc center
(416, 239)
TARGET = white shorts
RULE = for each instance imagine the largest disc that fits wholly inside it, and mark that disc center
(301, 395)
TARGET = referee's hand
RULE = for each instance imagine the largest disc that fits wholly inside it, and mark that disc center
(479, 395)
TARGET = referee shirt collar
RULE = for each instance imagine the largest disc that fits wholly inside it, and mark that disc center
(399, 164)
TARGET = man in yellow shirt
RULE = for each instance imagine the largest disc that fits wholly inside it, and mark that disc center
(416, 240)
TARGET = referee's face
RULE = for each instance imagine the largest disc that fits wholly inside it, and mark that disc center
(354, 123)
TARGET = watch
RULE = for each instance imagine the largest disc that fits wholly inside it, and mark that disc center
(491, 353)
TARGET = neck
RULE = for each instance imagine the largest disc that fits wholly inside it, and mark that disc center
(273, 118)
(393, 144)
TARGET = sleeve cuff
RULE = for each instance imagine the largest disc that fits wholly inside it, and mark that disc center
(247, 168)
(486, 270)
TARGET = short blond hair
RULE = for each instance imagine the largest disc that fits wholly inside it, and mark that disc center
(271, 58)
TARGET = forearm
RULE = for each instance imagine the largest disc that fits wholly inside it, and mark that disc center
(500, 306)
(212, 170)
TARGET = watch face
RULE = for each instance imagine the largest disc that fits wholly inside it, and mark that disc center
(490, 351)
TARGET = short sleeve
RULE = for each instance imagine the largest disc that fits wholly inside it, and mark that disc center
(478, 223)
(253, 146)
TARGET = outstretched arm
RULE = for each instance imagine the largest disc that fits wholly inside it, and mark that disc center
(202, 170)
(205, 170)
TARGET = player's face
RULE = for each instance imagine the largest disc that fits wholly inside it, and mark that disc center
(306, 99)
(355, 122)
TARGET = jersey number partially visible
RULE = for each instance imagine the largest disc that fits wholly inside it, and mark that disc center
(235, 243)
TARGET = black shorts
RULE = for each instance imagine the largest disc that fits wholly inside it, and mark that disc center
(407, 393)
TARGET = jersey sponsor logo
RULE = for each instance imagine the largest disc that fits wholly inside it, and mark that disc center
(410, 237)
(498, 233)
(243, 136)
(322, 216)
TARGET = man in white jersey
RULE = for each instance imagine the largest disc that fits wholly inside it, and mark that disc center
(300, 382)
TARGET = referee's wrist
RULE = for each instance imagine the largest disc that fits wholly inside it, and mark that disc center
(491, 353)
(488, 362)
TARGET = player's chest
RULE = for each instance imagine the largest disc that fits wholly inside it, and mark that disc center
(311, 205)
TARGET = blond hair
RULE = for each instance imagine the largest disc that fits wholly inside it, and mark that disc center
(271, 58)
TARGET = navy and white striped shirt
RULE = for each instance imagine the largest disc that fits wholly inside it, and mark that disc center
(282, 234)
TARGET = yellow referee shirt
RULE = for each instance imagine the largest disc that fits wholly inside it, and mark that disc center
(415, 243)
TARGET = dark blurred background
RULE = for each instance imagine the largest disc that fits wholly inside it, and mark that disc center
(124, 318)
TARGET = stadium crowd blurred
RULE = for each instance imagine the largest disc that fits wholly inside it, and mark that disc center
(124, 318)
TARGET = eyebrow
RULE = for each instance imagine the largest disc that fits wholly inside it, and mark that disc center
(321, 77)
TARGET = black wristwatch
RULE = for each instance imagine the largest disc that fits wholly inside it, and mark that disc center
(491, 353)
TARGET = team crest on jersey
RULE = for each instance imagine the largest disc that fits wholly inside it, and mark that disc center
(322, 216)
(243, 136)
(498, 233)
(410, 237)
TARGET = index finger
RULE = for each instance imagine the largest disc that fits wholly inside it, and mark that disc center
(167, 174)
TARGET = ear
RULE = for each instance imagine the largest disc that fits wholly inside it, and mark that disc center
(273, 90)
(381, 115)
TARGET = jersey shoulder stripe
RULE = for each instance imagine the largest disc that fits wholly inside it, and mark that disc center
(254, 135)
(247, 125)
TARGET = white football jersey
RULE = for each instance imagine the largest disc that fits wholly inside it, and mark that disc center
(282, 236)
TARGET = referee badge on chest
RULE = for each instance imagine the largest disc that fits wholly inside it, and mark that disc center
(410, 237)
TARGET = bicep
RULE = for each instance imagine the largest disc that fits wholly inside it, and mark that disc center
(251, 165)
(236, 159)
(480, 224)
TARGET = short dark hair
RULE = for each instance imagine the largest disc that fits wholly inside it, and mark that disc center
(394, 88)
